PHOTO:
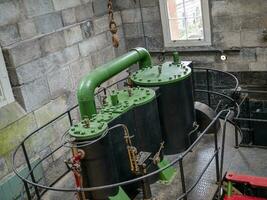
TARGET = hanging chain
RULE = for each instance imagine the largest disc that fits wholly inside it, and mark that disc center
(113, 28)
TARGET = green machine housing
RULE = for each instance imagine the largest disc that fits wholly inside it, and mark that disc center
(175, 101)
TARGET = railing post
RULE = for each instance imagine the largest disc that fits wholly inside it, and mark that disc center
(236, 137)
(216, 157)
(27, 190)
(30, 169)
(70, 119)
(208, 85)
(182, 178)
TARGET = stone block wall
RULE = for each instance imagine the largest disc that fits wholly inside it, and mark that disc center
(237, 29)
(48, 46)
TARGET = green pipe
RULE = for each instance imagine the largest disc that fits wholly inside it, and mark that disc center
(229, 189)
(86, 90)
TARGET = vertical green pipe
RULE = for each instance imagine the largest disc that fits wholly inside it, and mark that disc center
(86, 90)
(229, 189)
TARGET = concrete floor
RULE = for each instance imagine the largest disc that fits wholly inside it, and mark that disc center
(252, 161)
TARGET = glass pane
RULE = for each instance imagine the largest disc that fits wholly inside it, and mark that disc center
(185, 19)
(178, 29)
(194, 29)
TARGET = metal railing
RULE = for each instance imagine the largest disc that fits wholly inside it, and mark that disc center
(40, 189)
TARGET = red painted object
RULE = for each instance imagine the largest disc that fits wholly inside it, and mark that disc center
(239, 197)
(254, 181)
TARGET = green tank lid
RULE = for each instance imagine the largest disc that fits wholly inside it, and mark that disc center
(133, 96)
(88, 129)
(169, 72)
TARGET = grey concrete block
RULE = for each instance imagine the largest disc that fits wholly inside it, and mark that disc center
(9, 13)
(237, 67)
(48, 23)
(252, 39)
(10, 113)
(155, 43)
(131, 15)
(226, 23)
(59, 86)
(8, 35)
(84, 12)
(220, 8)
(40, 67)
(87, 29)
(73, 35)
(126, 4)
(250, 22)
(134, 30)
(27, 29)
(103, 56)
(248, 55)
(100, 7)
(79, 69)
(151, 14)
(261, 54)
(86, 1)
(101, 24)
(32, 95)
(258, 66)
(22, 53)
(117, 18)
(135, 42)
(38, 7)
(51, 110)
(93, 44)
(64, 4)
(52, 42)
(68, 16)
(153, 29)
(3, 168)
(227, 39)
(149, 3)
(57, 59)
(27, 73)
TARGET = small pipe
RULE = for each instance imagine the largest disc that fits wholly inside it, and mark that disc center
(86, 99)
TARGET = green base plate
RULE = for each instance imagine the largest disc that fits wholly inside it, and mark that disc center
(120, 196)
(167, 175)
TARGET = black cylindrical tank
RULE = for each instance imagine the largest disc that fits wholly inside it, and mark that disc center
(98, 166)
(137, 109)
(175, 102)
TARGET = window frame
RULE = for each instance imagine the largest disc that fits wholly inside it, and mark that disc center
(186, 43)
(5, 86)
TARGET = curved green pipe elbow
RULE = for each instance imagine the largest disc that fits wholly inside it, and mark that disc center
(86, 90)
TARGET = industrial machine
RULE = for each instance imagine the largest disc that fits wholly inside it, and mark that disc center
(121, 146)
(177, 113)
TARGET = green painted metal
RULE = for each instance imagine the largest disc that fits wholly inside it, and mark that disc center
(229, 188)
(166, 73)
(88, 129)
(133, 96)
(120, 196)
(167, 175)
(176, 58)
(101, 74)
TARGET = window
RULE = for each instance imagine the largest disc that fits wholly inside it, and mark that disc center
(185, 22)
(6, 95)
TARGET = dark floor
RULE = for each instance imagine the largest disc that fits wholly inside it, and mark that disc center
(252, 161)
